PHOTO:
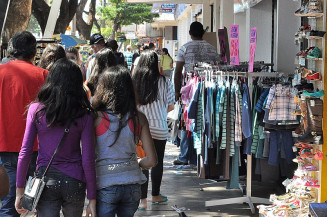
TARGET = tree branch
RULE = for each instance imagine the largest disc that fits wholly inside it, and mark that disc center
(41, 10)
(85, 27)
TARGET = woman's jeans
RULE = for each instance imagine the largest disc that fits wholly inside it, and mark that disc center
(61, 192)
(122, 200)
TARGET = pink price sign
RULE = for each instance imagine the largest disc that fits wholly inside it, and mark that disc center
(253, 43)
(234, 45)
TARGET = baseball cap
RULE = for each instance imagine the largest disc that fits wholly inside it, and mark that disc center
(95, 38)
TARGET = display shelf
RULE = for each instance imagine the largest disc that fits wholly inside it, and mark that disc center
(315, 37)
(315, 59)
(310, 15)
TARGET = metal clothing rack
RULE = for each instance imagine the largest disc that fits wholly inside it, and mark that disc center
(247, 198)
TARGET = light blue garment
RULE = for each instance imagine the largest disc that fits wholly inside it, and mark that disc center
(116, 163)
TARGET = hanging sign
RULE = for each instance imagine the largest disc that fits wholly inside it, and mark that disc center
(224, 45)
(234, 45)
(253, 42)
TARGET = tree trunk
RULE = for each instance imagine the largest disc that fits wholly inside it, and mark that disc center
(41, 12)
(116, 27)
(17, 19)
(84, 28)
(67, 13)
(116, 23)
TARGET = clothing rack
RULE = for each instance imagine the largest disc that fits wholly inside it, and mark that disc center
(247, 198)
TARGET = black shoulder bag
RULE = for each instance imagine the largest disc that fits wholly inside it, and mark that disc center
(35, 185)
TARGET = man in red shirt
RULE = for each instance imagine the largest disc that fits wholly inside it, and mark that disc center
(20, 82)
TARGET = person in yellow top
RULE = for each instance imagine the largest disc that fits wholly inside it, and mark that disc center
(166, 63)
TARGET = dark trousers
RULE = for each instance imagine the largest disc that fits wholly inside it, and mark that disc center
(156, 172)
(61, 192)
(286, 140)
(9, 160)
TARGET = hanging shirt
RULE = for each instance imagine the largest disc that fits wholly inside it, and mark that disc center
(219, 109)
(247, 119)
(270, 97)
(232, 121)
(192, 109)
(199, 121)
(261, 100)
(283, 105)
(238, 116)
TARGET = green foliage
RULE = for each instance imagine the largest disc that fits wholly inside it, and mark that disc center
(33, 25)
(106, 32)
(122, 13)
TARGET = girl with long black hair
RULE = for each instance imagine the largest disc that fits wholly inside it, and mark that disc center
(60, 101)
(103, 59)
(155, 95)
(119, 127)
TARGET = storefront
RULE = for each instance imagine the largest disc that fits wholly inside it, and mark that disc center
(276, 24)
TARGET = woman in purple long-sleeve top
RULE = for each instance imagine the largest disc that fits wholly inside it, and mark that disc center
(60, 100)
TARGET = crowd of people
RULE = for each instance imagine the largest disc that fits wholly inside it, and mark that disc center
(109, 108)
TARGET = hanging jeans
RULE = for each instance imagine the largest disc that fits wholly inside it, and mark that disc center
(187, 150)
(286, 140)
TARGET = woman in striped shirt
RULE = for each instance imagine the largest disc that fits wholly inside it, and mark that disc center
(155, 97)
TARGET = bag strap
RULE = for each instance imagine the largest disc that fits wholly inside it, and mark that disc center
(58, 147)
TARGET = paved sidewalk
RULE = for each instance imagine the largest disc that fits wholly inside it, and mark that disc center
(186, 190)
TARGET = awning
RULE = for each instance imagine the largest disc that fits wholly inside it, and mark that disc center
(168, 1)
(70, 40)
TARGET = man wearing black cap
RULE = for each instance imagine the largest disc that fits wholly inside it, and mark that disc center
(190, 53)
(97, 43)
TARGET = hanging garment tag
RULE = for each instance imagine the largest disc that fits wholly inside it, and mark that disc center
(312, 103)
(294, 149)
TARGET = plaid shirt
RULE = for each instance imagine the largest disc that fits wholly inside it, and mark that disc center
(228, 119)
(238, 116)
(199, 121)
(271, 96)
(219, 109)
(262, 98)
(255, 122)
(232, 122)
(224, 121)
(283, 105)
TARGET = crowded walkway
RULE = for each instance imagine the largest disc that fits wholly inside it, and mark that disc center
(189, 193)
